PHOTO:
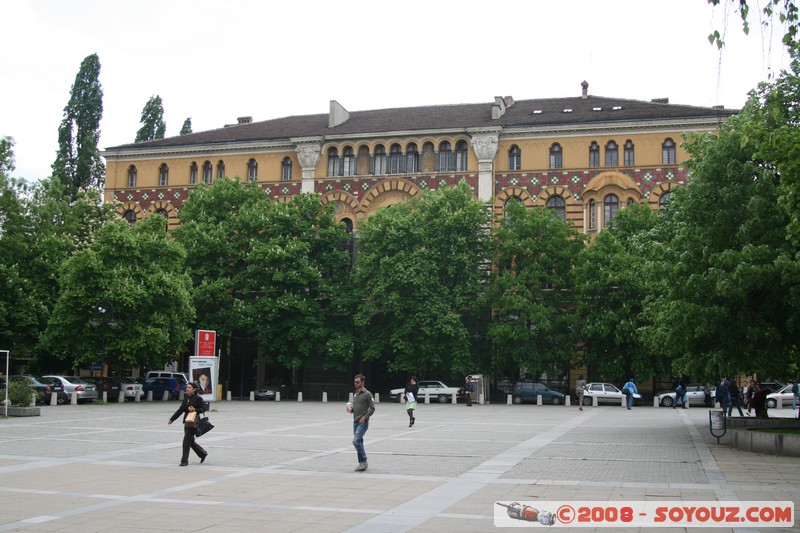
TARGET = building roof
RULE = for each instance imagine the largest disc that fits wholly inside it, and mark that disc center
(583, 111)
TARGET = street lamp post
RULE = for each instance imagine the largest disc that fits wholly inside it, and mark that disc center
(103, 316)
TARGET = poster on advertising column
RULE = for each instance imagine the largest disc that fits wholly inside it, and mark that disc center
(205, 342)
(205, 372)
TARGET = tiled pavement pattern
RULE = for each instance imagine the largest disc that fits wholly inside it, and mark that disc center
(288, 466)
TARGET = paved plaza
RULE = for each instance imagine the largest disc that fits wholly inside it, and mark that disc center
(288, 466)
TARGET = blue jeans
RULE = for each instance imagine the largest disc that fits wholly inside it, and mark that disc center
(359, 428)
(629, 400)
(734, 401)
(794, 401)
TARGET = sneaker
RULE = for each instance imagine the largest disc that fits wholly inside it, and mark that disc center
(361, 467)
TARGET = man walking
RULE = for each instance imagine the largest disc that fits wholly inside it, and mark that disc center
(629, 389)
(469, 387)
(795, 394)
(362, 408)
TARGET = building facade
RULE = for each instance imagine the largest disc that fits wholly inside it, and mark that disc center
(585, 157)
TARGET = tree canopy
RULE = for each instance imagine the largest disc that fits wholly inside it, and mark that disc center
(152, 121)
(186, 129)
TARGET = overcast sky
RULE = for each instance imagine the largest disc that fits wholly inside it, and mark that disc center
(216, 60)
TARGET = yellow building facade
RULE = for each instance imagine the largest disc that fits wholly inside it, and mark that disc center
(585, 157)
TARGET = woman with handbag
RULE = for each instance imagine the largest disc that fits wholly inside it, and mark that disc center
(191, 408)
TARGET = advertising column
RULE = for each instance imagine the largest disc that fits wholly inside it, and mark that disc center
(203, 366)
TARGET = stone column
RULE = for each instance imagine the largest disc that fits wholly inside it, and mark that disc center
(484, 143)
(308, 153)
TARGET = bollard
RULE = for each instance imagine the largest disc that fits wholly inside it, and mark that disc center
(74, 398)
(181, 395)
(252, 396)
(277, 396)
(538, 399)
(228, 396)
(53, 398)
(299, 396)
(165, 396)
(427, 396)
(138, 396)
(105, 396)
(480, 399)
(779, 405)
(324, 397)
(508, 399)
(377, 397)
(454, 399)
(121, 397)
(567, 400)
(149, 396)
(33, 400)
(594, 401)
(655, 401)
(624, 401)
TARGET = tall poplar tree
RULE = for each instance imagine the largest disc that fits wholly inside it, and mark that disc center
(186, 129)
(78, 163)
(152, 121)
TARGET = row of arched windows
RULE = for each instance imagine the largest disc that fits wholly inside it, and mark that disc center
(611, 155)
(207, 172)
(379, 162)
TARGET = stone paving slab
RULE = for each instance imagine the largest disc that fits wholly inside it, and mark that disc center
(288, 466)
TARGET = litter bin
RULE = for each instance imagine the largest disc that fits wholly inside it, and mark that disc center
(717, 423)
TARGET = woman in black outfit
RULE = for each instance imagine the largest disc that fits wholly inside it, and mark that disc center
(192, 403)
(411, 401)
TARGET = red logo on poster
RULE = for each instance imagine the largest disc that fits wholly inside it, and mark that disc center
(205, 342)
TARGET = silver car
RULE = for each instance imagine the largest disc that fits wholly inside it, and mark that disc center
(86, 391)
(695, 393)
(605, 393)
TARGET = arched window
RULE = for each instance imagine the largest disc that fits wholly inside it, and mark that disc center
(252, 170)
(630, 202)
(511, 200)
(132, 176)
(348, 161)
(220, 169)
(514, 158)
(412, 159)
(130, 216)
(163, 213)
(612, 154)
(334, 163)
(592, 214)
(556, 157)
(349, 244)
(396, 159)
(558, 206)
(664, 199)
(668, 152)
(286, 169)
(462, 152)
(193, 173)
(610, 207)
(594, 154)
(207, 172)
(163, 175)
(628, 154)
(379, 161)
(444, 158)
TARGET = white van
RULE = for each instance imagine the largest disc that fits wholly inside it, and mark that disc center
(180, 376)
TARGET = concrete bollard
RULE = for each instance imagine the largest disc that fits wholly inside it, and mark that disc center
(779, 404)
(121, 397)
(623, 401)
(228, 396)
(149, 396)
(480, 399)
(567, 400)
(74, 399)
(53, 398)
(454, 399)
(538, 399)
(33, 400)
(165, 396)
(181, 395)
(324, 397)
(594, 401)
(377, 397)
(427, 396)
(655, 401)
(277, 396)
(105, 397)
(138, 397)
(252, 396)
(299, 396)
(508, 399)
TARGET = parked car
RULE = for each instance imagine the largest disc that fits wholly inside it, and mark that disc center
(110, 386)
(435, 389)
(159, 385)
(528, 391)
(180, 376)
(86, 391)
(129, 387)
(694, 391)
(605, 393)
(44, 387)
(267, 391)
(771, 385)
(785, 394)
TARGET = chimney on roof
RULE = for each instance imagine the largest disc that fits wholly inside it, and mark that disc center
(660, 100)
(498, 107)
(244, 120)
(338, 114)
(584, 89)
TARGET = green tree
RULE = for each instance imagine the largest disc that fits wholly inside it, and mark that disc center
(612, 287)
(78, 163)
(152, 121)
(785, 11)
(140, 270)
(531, 293)
(726, 301)
(6, 156)
(421, 271)
(264, 270)
(186, 129)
